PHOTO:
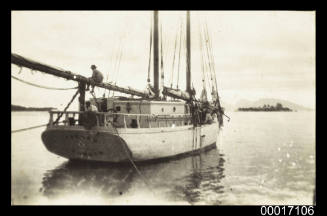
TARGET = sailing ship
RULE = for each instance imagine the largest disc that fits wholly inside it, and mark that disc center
(148, 127)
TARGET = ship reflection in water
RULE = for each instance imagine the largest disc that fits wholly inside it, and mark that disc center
(179, 181)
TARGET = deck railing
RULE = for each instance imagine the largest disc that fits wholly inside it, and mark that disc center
(121, 120)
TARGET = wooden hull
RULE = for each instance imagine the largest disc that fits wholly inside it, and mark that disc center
(122, 145)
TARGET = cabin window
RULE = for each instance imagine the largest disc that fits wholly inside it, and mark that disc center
(162, 109)
(118, 108)
(133, 123)
(174, 109)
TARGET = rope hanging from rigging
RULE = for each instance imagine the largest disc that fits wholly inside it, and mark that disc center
(40, 86)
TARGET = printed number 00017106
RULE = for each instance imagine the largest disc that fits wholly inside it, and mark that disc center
(287, 210)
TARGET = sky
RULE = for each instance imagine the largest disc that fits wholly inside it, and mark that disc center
(257, 54)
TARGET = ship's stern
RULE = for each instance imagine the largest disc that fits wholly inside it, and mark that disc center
(82, 144)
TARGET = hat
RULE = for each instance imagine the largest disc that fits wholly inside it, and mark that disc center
(93, 67)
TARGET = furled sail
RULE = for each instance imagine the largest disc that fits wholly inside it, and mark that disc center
(183, 95)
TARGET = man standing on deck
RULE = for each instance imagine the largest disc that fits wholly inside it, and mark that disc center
(97, 77)
(90, 107)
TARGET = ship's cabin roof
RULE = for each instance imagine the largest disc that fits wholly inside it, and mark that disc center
(137, 106)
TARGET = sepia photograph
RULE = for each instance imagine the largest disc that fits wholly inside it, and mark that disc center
(156, 107)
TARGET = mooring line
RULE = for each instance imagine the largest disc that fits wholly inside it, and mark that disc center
(29, 128)
(133, 163)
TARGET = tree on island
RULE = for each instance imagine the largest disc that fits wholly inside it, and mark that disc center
(279, 106)
(266, 107)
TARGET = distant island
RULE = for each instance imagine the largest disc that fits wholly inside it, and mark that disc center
(266, 108)
(272, 101)
(22, 108)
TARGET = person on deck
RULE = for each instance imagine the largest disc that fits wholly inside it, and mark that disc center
(90, 107)
(209, 118)
(97, 77)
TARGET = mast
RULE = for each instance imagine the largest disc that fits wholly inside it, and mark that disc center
(155, 54)
(188, 52)
(81, 99)
(175, 93)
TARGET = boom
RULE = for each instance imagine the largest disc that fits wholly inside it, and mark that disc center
(24, 62)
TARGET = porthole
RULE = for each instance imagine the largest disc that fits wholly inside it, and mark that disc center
(174, 109)
(162, 110)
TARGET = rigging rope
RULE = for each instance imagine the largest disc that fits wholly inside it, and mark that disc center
(202, 61)
(208, 64)
(212, 59)
(179, 58)
(116, 57)
(205, 62)
(209, 60)
(172, 70)
(40, 86)
(29, 128)
(213, 73)
(58, 118)
(107, 74)
(117, 61)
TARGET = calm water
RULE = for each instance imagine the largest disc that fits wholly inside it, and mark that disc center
(263, 158)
